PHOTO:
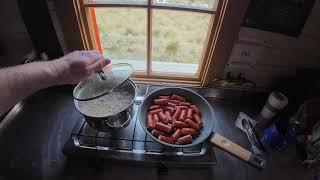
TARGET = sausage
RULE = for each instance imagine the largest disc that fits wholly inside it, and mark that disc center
(150, 123)
(197, 119)
(164, 97)
(170, 109)
(182, 107)
(186, 131)
(163, 117)
(174, 101)
(177, 97)
(154, 107)
(172, 119)
(179, 124)
(171, 104)
(156, 133)
(173, 128)
(162, 127)
(155, 118)
(184, 104)
(166, 139)
(161, 101)
(189, 113)
(176, 114)
(169, 118)
(183, 114)
(155, 111)
(192, 124)
(185, 139)
(176, 134)
(195, 109)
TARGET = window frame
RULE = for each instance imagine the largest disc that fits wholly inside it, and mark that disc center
(224, 27)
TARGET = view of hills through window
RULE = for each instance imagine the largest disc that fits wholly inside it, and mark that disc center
(177, 37)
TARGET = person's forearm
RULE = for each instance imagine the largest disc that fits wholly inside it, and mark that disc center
(18, 82)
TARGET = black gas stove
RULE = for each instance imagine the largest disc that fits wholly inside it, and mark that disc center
(132, 144)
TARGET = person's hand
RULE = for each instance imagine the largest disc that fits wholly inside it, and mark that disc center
(79, 65)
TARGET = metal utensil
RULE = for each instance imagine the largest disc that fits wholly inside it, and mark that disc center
(255, 144)
(102, 75)
(208, 125)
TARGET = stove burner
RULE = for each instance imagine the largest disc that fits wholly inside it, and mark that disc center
(133, 144)
(111, 123)
(120, 120)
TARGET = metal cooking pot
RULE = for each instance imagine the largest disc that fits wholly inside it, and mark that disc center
(114, 121)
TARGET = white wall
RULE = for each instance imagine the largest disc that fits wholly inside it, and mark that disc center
(274, 55)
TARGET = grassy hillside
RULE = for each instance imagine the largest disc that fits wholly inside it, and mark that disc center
(177, 36)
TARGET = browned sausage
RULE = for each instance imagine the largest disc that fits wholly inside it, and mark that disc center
(185, 139)
(182, 107)
(154, 107)
(150, 124)
(170, 109)
(164, 97)
(171, 104)
(174, 101)
(155, 118)
(156, 133)
(179, 124)
(183, 114)
(162, 127)
(195, 109)
(161, 101)
(189, 113)
(177, 97)
(176, 114)
(169, 118)
(166, 139)
(192, 124)
(186, 131)
(184, 104)
(197, 119)
(173, 128)
(155, 111)
(176, 134)
(163, 117)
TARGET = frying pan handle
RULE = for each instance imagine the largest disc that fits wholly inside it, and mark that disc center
(237, 150)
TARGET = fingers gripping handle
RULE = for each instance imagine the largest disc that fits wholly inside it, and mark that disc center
(237, 150)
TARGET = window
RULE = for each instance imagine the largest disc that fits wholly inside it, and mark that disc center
(164, 40)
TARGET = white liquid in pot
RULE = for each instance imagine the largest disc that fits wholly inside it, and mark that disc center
(110, 104)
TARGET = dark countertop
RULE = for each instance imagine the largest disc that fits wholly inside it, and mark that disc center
(31, 146)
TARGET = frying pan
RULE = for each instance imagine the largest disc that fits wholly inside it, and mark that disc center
(207, 130)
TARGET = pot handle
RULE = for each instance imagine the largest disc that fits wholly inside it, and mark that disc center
(237, 150)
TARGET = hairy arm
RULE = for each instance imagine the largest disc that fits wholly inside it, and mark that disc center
(18, 82)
